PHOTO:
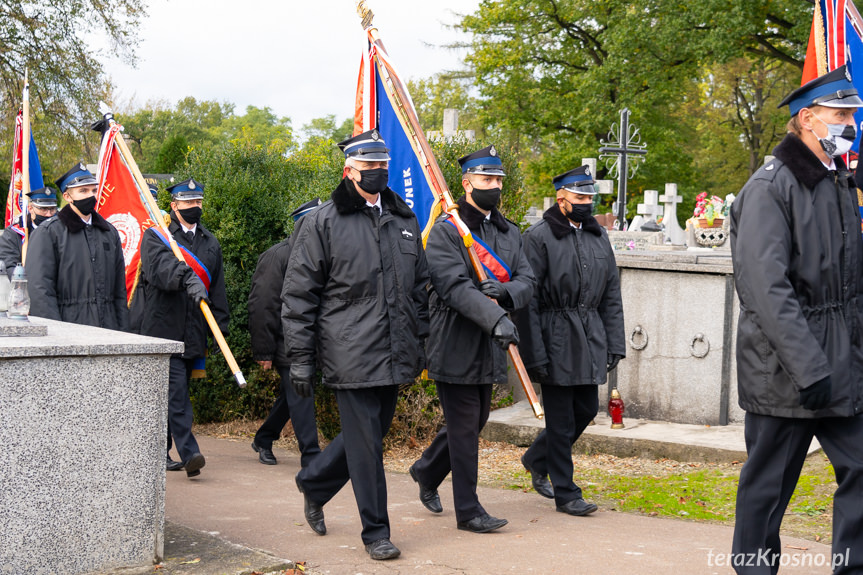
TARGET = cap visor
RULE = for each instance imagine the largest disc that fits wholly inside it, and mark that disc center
(852, 101)
(487, 172)
(85, 182)
(381, 157)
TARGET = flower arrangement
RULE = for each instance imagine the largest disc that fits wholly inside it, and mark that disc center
(709, 209)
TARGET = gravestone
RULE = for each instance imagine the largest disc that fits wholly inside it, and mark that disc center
(450, 128)
(650, 209)
(82, 423)
(641, 241)
(673, 230)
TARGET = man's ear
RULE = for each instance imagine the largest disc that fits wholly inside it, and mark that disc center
(805, 118)
(465, 183)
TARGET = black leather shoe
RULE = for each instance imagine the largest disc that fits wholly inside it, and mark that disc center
(194, 464)
(482, 524)
(382, 549)
(577, 507)
(540, 483)
(265, 455)
(171, 465)
(428, 497)
(314, 512)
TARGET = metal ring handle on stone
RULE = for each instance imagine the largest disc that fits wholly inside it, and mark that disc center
(638, 331)
(702, 338)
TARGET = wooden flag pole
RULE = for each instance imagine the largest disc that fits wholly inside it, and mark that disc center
(25, 166)
(153, 208)
(421, 146)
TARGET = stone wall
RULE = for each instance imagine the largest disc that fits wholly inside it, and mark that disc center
(82, 428)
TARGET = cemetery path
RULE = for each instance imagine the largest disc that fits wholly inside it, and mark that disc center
(258, 506)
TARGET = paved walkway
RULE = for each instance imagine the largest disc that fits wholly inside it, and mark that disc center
(257, 506)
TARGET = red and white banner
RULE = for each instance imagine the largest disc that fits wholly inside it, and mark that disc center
(121, 202)
(13, 200)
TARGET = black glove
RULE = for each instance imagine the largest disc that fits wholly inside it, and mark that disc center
(817, 395)
(504, 333)
(539, 374)
(495, 290)
(195, 288)
(613, 360)
(303, 378)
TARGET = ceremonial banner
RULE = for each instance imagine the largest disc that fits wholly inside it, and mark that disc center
(120, 201)
(836, 39)
(14, 201)
(376, 109)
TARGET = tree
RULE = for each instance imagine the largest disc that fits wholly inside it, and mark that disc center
(326, 128)
(260, 127)
(52, 40)
(431, 96)
(556, 73)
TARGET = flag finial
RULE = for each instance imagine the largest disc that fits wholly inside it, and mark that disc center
(365, 13)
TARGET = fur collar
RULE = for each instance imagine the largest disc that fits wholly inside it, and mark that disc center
(560, 227)
(473, 218)
(803, 163)
(348, 201)
(75, 224)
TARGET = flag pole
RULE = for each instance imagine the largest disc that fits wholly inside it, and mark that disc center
(25, 166)
(153, 208)
(395, 89)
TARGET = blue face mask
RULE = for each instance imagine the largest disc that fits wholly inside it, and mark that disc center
(839, 139)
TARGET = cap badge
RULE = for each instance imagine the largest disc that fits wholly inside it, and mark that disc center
(586, 171)
(847, 74)
(191, 184)
(492, 151)
(375, 136)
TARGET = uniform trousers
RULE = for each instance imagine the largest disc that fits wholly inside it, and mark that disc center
(456, 446)
(301, 413)
(356, 454)
(568, 411)
(777, 449)
(180, 408)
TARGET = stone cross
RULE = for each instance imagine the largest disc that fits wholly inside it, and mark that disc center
(450, 123)
(650, 209)
(450, 128)
(602, 186)
(673, 230)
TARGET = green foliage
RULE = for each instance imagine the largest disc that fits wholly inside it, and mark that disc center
(53, 40)
(250, 192)
(555, 75)
(326, 128)
(172, 154)
(418, 414)
(156, 132)
(432, 95)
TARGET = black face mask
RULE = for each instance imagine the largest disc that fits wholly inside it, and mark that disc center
(38, 219)
(486, 199)
(374, 181)
(580, 212)
(191, 215)
(85, 206)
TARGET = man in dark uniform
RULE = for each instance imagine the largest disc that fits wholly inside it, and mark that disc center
(42, 205)
(268, 349)
(355, 302)
(571, 333)
(172, 292)
(469, 335)
(798, 260)
(75, 261)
